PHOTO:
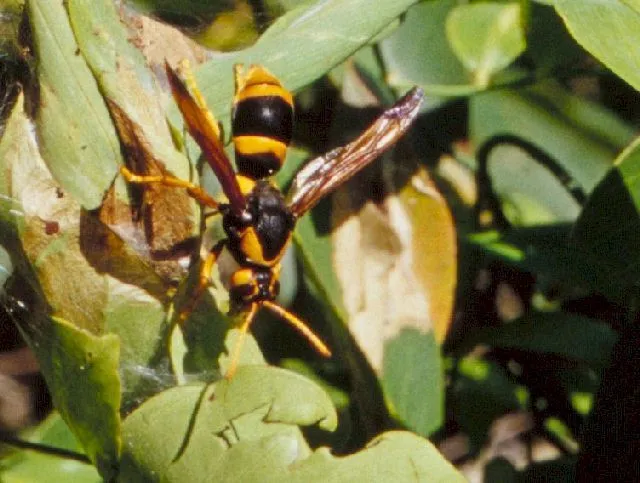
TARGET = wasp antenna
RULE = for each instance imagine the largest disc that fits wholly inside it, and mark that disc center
(300, 326)
(244, 328)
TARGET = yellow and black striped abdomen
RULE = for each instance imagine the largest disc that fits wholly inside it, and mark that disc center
(262, 122)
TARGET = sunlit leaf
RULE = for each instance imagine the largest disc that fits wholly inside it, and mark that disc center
(434, 248)
(486, 37)
(81, 371)
(580, 136)
(202, 431)
(418, 54)
(247, 426)
(29, 465)
(76, 137)
(591, 23)
(315, 37)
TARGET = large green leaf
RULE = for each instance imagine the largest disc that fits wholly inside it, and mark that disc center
(246, 426)
(413, 380)
(76, 136)
(592, 22)
(394, 455)
(138, 314)
(81, 370)
(582, 136)
(246, 430)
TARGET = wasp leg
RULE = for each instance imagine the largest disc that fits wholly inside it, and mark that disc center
(300, 326)
(244, 328)
(203, 281)
(193, 190)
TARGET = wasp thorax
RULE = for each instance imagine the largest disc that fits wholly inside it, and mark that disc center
(261, 241)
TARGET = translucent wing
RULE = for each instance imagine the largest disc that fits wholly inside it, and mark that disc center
(325, 173)
(204, 129)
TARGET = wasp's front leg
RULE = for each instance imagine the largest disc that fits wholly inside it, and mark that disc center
(195, 191)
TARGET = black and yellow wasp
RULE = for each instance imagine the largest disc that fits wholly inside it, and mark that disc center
(257, 219)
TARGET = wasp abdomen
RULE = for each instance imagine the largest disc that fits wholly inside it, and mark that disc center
(269, 117)
(262, 123)
(252, 284)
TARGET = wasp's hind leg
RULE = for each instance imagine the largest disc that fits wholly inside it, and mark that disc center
(195, 191)
(204, 278)
(320, 347)
(237, 348)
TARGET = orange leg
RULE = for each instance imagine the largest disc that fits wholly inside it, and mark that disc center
(203, 281)
(194, 191)
(244, 328)
(299, 325)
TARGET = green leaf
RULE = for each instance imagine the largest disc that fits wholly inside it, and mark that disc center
(31, 466)
(76, 137)
(581, 136)
(313, 240)
(418, 53)
(80, 368)
(124, 77)
(81, 371)
(486, 37)
(82, 269)
(412, 378)
(243, 428)
(299, 47)
(394, 455)
(592, 22)
(546, 251)
(609, 225)
(246, 430)
(571, 337)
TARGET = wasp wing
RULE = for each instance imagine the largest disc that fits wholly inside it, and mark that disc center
(325, 173)
(204, 129)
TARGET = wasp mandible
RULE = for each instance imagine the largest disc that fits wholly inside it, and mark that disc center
(257, 219)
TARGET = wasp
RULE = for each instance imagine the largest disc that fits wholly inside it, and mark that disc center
(257, 218)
